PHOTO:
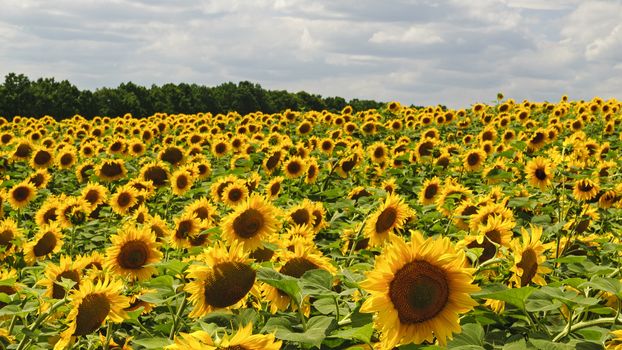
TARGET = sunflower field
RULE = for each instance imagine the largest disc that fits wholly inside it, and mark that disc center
(492, 227)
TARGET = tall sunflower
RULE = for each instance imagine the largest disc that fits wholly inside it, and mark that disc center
(21, 194)
(251, 222)
(243, 339)
(539, 172)
(391, 215)
(92, 305)
(48, 240)
(418, 290)
(9, 233)
(66, 268)
(529, 258)
(132, 253)
(223, 280)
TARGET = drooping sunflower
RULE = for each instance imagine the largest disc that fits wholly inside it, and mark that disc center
(223, 280)
(39, 178)
(251, 222)
(243, 339)
(390, 216)
(418, 290)
(47, 241)
(66, 268)
(92, 305)
(172, 155)
(48, 212)
(155, 172)
(234, 194)
(111, 170)
(21, 194)
(132, 252)
(584, 189)
(318, 213)
(539, 172)
(529, 258)
(429, 191)
(123, 199)
(9, 232)
(301, 256)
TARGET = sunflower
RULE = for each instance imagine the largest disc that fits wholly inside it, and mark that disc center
(186, 226)
(294, 167)
(94, 194)
(244, 339)
(539, 172)
(496, 232)
(301, 256)
(132, 253)
(136, 147)
(41, 158)
(136, 302)
(6, 288)
(72, 210)
(155, 172)
(452, 194)
(84, 170)
(203, 209)
(390, 216)
(158, 227)
(111, 170)
(9, 233)
(92, 305)
(584, 190)
(172, 155)
(487, 211)
(21, 194)
(429, 191)
(48, 240)
(66, 158)
(220, 148)
(123, 199)
(474, 159)
(273, 188)
(251, 222)
(378, 152)
(234, 194)
(48, 212)
(313, 170)
(418, 291)
(39, 178)
(67, 268)
(529, 258)
(181, 181)
(218, 187)
(318, 213)
(272, 162)
(301, 213)
(223, 280)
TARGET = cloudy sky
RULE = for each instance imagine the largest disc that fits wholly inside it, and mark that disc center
(422, 52)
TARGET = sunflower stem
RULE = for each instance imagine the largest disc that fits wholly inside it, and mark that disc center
(108, 336)
(303, 320)
(42, 317)
(586, 324)
(177, 318)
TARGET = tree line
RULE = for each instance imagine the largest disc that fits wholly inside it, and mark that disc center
(61, 99)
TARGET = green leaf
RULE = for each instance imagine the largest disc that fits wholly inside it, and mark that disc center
(152, 343)
(514, 296)
(543, 344)
(286, 284)
(472, 336)
(317, 282)
(317, 327)
(362, 333)
(610, 285)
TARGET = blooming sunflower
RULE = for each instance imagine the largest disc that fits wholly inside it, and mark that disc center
(301, 214)
(452, 194)
(181, 181)
(21, 194)
(429, 191)
(474, 159)
(539, 172)
(41, 158)
(9, 233)
(251, 222)
(223, 281)
(529, 258)
(132, 253)
(313, 170)
(496, 232)
(66, 268)
(299, 257)
(155, 172)
(243, 339)
(584, 189)
(273, 188)
(294, 167)
(92, 305)
(234, 194)
(391, 215)
(418, 290)
(111, 170)
(39, 178)
(123, 199)
(186, 226)
(48, 240)
(203, 209)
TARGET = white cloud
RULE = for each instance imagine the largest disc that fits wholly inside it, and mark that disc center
(422, 52)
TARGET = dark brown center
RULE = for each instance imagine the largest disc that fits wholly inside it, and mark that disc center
(228, 283)
(133, 255)
(248, 223)
(386, 220)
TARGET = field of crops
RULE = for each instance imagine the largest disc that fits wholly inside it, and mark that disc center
(493, 227)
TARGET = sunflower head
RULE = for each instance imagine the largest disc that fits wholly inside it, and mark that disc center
(132, 252)
(390, 216)
(529, 258)
(48, 240)
(21, 194)
(418, 290)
